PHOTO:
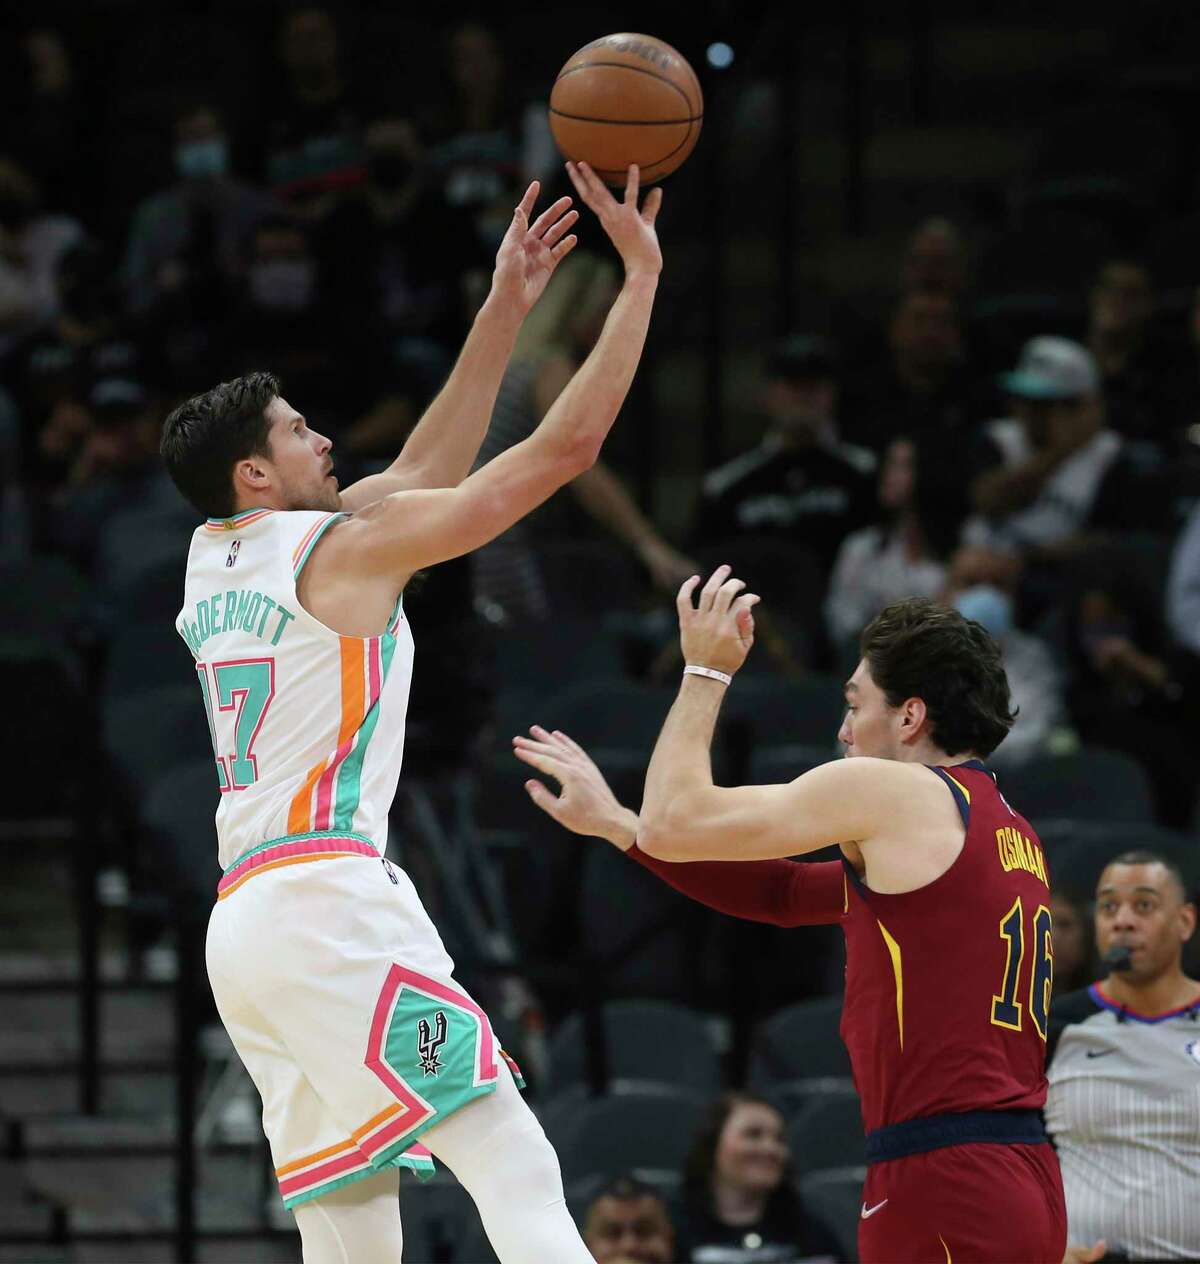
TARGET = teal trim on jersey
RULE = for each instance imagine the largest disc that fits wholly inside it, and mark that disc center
(349, 782)
(299, 838)
(245, 513)
(312, 544)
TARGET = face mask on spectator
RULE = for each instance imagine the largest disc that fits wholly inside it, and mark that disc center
(202, 159)
(988, 606)
(283, 284)
(389, 170)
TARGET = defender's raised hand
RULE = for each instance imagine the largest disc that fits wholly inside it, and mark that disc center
(718, 631)
(529, 252)
(630, 229)
(586, 804)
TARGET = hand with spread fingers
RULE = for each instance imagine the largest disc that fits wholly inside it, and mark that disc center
(630, 229)
(586, 803)
(718, 631)
(529, 252)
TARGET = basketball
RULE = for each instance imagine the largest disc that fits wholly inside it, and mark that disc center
(626, 99)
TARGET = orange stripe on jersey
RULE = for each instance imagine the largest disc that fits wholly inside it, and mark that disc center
(353, 652)
(308, 535)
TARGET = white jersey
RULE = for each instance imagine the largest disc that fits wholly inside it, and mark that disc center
(307, 725)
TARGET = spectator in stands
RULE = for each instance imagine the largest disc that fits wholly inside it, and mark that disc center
(1074, 944)
(553, 342)
(1183, 588)
(1123, 1058)
(489, 144)
(185, 253)
(628, 1223)
(313, 122)
(740, 1201)
(801, 483)
(397, 252)
(1132, 366)
(192, 234)
(1134, 688)
(116, 467)
(922, 387)
(1063, 473)
(935, 260)
(331, 361)
(900, 557)
(1035, 681)
(32, 245)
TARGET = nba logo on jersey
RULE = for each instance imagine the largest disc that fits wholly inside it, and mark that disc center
(1192, 1049)
(233, 552)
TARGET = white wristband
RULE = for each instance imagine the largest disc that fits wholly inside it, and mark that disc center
(709, 672)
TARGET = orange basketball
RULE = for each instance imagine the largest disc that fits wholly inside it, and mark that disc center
(624, 99)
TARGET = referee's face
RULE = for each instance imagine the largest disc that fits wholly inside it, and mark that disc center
(1141, 906)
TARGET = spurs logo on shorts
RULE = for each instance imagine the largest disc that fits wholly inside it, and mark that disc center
(428, 1043)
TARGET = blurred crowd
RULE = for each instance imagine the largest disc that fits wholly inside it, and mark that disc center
(1037, 467)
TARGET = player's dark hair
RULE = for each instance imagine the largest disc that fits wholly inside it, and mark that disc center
(918, 648)
(1144, 856)
(700, 1170)
(206, 435)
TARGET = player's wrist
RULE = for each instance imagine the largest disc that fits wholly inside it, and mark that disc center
(622, 832)
(702, 672)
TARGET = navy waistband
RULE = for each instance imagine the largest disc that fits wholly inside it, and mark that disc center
(915, 1136)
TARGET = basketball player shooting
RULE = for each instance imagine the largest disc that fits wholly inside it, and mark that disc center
(942, 893)
(328, 974)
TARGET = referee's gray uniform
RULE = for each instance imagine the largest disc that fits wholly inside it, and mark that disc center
(1123, 1110)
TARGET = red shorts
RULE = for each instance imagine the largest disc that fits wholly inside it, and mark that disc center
(1000, 1203)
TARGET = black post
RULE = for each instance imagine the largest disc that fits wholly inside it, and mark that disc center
(788, 238)
(715, 239)
(185, 1090)
(89, 971)
(855, 127)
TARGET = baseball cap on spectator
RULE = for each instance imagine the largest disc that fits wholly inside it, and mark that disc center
(801, 356)
(1051, 369)
(113, 400)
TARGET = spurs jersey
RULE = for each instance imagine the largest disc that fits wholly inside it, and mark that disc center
(307, 725)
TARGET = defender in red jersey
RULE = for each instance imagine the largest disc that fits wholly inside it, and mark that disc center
(943, 897)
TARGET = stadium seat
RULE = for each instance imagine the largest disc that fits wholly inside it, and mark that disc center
(1078, 851)
(834, 1198)
(146, 656)
(827, 1134)
(41, 600)
(610, 715)
(441, 1223)
(545, 658)
(631, 1132)
(799, 1042)
(1092, 784)
(772, 765)
(639, 935)
(644, 1041)
(584, 575)
(139, 542)
(804, 712)
(180, 810)
(146, 733)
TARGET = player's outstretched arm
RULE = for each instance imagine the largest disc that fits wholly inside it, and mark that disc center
(410, 530)
(685, 816)
(779, 892)
(445, 442)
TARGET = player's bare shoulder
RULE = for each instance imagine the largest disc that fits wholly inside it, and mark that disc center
(340, 587)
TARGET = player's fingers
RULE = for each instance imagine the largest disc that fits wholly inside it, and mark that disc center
(542, 761)
(745, 624)
(653, 204)
(542, 744)
(683, 598)
(599, 198)
(564, 248)
(550, 803)
(746, 601)
(723, 597)
(529, 201)
(575, 174)
(557, 230)
(709, 591)
(631, 185)
(553, 212)
(570, 743)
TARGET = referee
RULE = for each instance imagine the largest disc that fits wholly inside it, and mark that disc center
(1123, 1062)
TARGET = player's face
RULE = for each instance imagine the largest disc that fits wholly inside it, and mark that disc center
(301, 461)
(629, 1229)
(751, 1151)
(1141, 906)
(870, 725)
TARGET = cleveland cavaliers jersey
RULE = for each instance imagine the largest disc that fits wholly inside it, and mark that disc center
(307, 725)
(948, 986)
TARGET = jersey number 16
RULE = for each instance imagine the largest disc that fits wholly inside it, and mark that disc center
(1006, 1008)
